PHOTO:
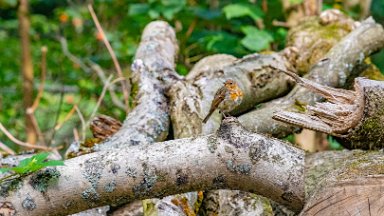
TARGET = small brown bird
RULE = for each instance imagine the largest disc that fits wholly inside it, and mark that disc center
(226, 99)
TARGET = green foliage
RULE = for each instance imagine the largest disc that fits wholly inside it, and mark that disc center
(33, 164)
(242, 10)
(255, 39)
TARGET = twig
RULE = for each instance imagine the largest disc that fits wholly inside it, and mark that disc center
(31, 110)
(87, 69)
(42, 80)
(100, 73)
(280, 24)
(57, 113)
(126, 86)
(7, 149)
(76, 134)
(7, 177)
(83, 125)
(21, 143)
(106, 85)
(73, 58)
(70, 113)
(37, 128)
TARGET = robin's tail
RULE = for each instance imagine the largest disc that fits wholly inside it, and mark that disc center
(207, 117)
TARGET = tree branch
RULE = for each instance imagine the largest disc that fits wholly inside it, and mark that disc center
(350, 51)
(126, 86)
(190, 100)
(241, 160)
(153, 70)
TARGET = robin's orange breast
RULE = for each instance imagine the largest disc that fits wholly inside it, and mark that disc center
(234, 95)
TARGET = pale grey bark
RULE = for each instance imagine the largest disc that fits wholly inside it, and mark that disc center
(153, 70)
(233, 159)
(350, 51)
(191, 99)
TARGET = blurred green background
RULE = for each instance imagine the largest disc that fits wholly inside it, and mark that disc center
(203, 28)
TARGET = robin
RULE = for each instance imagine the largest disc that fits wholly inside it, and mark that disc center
(227, 98)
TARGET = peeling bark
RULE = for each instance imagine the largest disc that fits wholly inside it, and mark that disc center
(241, 160)
(341, 60)
(355, 116)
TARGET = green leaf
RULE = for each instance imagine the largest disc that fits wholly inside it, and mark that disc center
(53, 163)
(33, 164)
(20, 170)
(204, 13)
(40, 157)
(137, 9)
(255, 39)
(154, 14)
(241, 10)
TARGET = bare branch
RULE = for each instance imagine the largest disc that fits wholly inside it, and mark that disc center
(68, 116)
(126, 86)
(7, 149)
(21, 143)
(106, 86)
(42, 80)
(31, 110)
(83, 123)
(101, 74)
(241, 160)
(153, 70)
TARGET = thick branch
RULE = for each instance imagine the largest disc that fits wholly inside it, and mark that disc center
(191, 99)
(152, 69)
(240, 160)
(351, 50)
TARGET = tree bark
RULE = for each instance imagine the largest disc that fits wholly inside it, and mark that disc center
(354, 116)
(190, 100)
(241, 160)
(26, 68)
(153, 70)
(341, 59)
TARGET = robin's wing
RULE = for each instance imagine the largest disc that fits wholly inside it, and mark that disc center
(219, 97)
